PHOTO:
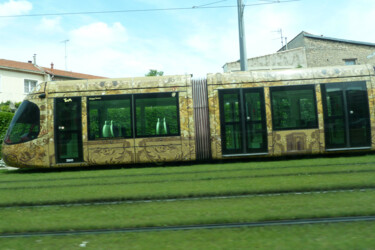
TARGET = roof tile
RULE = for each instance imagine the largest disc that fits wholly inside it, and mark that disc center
(14, 65)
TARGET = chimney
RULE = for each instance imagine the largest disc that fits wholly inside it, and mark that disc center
(34, 57)
(52, 65)
(29, 62)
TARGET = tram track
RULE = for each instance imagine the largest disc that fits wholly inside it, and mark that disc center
(244, 169)
(176, 199)
(193, 180)
(305, 221)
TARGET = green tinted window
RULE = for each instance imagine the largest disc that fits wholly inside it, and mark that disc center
(109, 116)
(156, 114)
(293, 107)
(25, 124)
(231, 107)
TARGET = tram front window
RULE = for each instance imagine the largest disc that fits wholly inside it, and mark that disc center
(25, 124)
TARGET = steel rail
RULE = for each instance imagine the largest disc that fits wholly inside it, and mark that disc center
(194, 227)
(208, 197)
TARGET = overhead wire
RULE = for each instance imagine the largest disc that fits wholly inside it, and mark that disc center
(208, 4)
(204, 6)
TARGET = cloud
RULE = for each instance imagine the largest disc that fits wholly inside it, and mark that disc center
(50, 24)
(15, 8)
(98, 35)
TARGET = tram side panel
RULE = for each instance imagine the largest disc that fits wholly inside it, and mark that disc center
(371, 98)
(101, 102)
(102, 116)
(299, 129)
(171, 142)
(27, 143)
(248, 138)
(161, 139)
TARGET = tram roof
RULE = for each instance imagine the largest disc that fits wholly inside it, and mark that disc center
(118, 84)
(291, 74)
(178, 81)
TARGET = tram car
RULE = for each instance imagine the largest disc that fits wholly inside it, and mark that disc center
(176, 118)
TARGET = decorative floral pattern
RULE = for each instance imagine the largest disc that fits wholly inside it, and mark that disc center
(41, 151)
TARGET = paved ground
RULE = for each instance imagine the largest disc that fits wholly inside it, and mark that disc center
(4, 166)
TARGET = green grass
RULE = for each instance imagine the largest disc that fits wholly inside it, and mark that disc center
(188, 212)
(326, 236)
(29, 174)
(188, 188)
(22, 187)
(123, 177)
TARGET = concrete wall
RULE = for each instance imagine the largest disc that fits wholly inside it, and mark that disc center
(328, 53)
(12, 84)
(310, 52)
(293, 58)
(297, 42)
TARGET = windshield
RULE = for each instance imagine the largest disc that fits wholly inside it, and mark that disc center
(25, 124)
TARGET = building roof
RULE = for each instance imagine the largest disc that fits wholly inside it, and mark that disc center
(14, 65)
(31, 68)
(70, 74)
(332, 39)
(305, 34)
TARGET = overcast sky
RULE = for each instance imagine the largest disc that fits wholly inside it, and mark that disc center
(180, 41)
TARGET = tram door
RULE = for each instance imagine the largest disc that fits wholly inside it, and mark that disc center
(68, 130)
(243, 121)
(346, 115)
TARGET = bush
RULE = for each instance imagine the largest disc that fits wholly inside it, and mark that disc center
(5, 119)
(9, 106)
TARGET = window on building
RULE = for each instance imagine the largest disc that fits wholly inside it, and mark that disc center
(156, 114)
(109, 116)
(294, 107)
(352, 61)
(29, 85)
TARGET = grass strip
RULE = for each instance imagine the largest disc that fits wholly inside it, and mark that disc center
(61, 195)
(327, 236)
(172, 177)
(51, 175)
(214, 211)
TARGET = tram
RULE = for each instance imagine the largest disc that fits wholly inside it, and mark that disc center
(176, 118)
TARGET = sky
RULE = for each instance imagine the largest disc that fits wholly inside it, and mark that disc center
(181, 37)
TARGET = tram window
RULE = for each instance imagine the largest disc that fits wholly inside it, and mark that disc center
(293, 107)
(25, 124)
(156, 114)
(109, 116)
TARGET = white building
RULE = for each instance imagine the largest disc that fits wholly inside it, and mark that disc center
(17, 79)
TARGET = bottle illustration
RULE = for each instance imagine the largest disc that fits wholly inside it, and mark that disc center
(112, 129)
(106, 129)
(165, 130)
(158, 127)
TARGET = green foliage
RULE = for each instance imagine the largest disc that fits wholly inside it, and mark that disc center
(8, 106)
(154, 72)
(147, 123)
(5, 119)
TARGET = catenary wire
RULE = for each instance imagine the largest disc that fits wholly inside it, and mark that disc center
(142, 10)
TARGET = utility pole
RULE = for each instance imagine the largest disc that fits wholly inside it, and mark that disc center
(243, 56)
(66, 55)
(281, 37)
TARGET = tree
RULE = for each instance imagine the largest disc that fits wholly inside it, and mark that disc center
(154, 72)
